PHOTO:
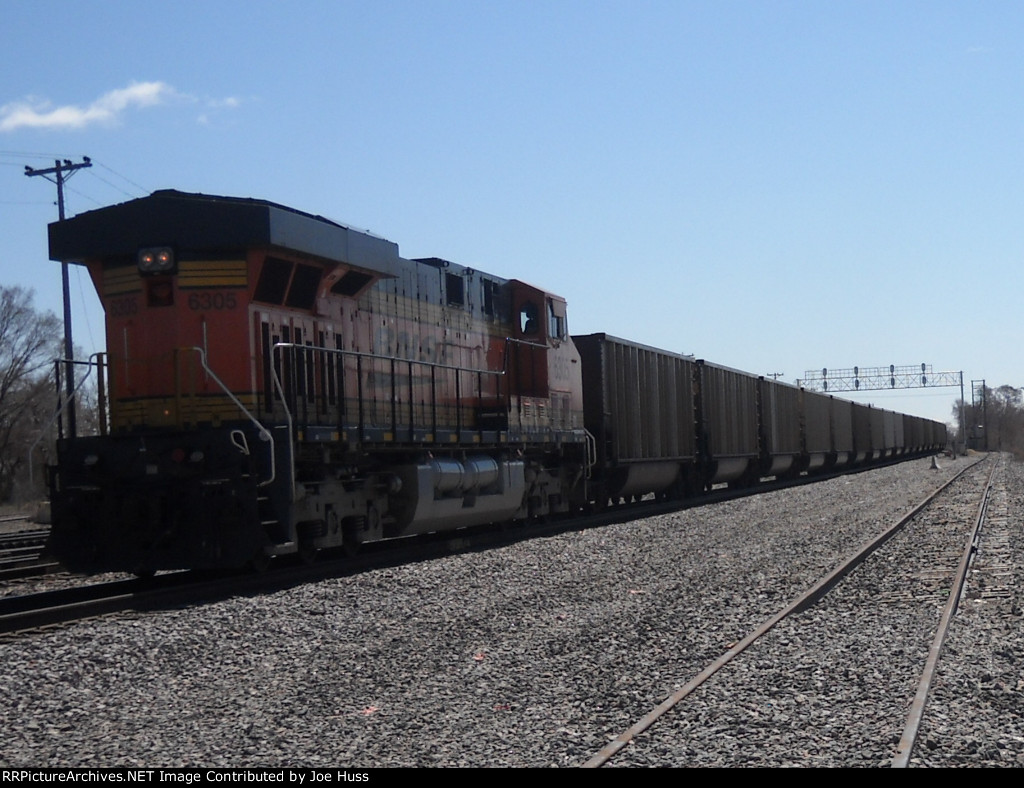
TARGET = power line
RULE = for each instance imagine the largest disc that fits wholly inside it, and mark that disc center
(125, 178)
(113, 186)
(30, 155)
(83, 195)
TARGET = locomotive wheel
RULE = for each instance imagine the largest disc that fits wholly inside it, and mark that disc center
(307, 552)
(352, 535)
(307, 532)
(350, 546)
(259, 562)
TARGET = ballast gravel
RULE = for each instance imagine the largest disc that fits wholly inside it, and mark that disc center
(532, 655)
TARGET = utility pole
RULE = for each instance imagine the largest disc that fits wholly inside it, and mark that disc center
(61, 170)
(979, 398)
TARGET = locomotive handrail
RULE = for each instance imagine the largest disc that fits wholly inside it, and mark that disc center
(531, 365)
(503, 372)
(288, 417)
(358, 355)
(57, 413)
(380, 357)
(528, 343)
(264, 433)
(591, 453)
(513, 341)
(433, 366)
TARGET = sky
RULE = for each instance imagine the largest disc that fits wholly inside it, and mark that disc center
(775, 186)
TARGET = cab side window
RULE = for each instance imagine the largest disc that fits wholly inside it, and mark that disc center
(528, 318)
(556, 321)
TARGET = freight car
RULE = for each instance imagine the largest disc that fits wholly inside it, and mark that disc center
(279, 383)
(672, 425)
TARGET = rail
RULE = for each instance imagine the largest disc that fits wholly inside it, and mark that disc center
(801, 603)
(913, 724)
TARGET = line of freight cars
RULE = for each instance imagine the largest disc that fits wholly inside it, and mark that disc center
(278, 383)
(672, 425)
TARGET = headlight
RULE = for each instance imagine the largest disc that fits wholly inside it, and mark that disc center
(158, 260)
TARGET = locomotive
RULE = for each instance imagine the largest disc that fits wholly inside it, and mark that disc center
(278, 383)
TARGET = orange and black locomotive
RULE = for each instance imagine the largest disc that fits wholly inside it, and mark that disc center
(281, 383)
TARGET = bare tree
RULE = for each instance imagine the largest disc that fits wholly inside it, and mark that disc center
(29, 341)
(996, 421)
(1005, 419)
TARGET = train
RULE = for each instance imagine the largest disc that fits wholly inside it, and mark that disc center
(276, 383)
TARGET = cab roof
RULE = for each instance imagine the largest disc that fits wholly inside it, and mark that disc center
(197, 222)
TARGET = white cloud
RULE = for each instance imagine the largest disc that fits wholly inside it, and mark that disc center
(38, 113)
(231, 102)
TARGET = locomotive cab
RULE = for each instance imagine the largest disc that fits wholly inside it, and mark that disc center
(543, 362)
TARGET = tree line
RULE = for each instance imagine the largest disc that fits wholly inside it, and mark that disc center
(30, 342)
(992, 422)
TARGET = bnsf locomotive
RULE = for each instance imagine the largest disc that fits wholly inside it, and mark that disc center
(278, 383)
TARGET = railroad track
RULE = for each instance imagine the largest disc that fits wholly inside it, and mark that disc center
(807, 681)
(31, 611)
(21, 555)
(26, 612)
(29, 568)
(908, 741)
(973, 709)
(21, 539)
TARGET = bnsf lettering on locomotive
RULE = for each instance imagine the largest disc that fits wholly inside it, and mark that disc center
(435, 351)
(400, 344)
(202, 302)
(393, 343)
(382, 341)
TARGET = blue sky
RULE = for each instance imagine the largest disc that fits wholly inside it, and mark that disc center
(774, 186)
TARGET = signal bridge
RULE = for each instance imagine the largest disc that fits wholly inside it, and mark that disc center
(878, 378)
